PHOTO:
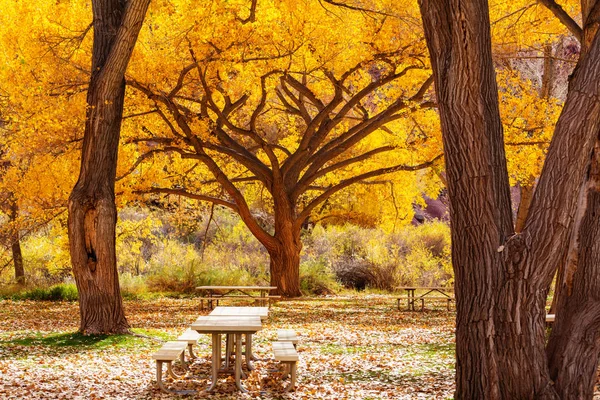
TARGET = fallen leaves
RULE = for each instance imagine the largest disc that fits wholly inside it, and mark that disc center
(350, 348)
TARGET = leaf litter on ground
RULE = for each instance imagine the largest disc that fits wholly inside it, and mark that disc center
(358, 347)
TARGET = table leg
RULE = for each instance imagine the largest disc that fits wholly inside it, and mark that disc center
(238, 362)
(216, 360)
(249, 355)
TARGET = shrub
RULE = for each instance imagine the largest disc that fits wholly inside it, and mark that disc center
(60, 292)
(132, 286)
(317, 279)
(371, 258)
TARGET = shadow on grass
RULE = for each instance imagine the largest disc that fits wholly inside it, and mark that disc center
(72, 342)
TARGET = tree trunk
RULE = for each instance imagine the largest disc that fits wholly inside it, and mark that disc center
(574, 343)
(285, 255)
(18, 259)
(285, 268)
(92, 210)
(480, 212)
(501, 278)
(15, 243)
(524, 204)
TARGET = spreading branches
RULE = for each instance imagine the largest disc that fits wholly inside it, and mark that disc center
(358, 178)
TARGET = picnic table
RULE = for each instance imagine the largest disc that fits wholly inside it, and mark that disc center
(215, 293)
(444, 294)
(229, 325)
(261, 312)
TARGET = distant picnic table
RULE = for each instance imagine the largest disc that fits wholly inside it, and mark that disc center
(215, 293)
(443, 294)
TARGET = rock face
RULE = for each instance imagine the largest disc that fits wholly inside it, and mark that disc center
(434, 209)
(439, 208)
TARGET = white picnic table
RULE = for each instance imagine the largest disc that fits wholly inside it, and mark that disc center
(237, 326)
(214, 293)
(262, 312)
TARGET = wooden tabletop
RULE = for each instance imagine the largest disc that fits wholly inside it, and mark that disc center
(425, 288)
(262, 312)
(236, 287)
(226, 324)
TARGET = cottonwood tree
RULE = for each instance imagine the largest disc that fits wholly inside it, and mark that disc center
(281, 115)
(92, 210)
(333, 129)
(502, 278)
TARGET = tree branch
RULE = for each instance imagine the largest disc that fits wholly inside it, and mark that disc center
(347, 182)
(563, 17)
(195, 196)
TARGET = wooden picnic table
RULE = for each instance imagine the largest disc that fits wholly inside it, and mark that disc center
(215, 293)
(229, 325)
(411, 296)
(261, 312)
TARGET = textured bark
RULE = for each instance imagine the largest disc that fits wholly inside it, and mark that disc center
(15, 245)
(92, 210)
(459, 42)
(502, 278)
(285, 256)
(574, 343)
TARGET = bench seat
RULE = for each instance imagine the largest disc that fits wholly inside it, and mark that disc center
(285, 353)
(168, 353)
(287, 335)
(191, 337)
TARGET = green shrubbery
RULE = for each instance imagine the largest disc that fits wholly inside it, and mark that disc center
(154, 257)
(60, 292)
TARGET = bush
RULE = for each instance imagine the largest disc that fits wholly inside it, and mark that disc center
(133, 286)
(317, 279)
(364, 258)
(60, 292)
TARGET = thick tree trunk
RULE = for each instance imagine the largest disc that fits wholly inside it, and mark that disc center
(285, 268)
(15, 244)
(92, 210)
(524, 204)
(93, 218)
(477, 178)
(574, 344)
(285, 255)
(501, 278)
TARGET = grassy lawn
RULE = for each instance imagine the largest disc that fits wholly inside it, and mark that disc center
(350, 348)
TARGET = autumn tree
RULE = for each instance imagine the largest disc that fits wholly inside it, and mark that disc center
(285, 124)
(92, 209)
(502, 278)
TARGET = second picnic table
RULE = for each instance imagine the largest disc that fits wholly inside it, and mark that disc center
(411, 296)
(215, 293)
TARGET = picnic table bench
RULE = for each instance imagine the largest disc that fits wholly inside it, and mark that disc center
(215, 293)
(286, 354)
(443, 294)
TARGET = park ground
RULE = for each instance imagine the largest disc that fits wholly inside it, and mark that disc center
(358, 347)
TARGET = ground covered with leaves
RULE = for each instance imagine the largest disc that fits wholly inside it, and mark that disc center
(350, 348)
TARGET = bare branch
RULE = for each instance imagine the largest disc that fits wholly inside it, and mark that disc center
(563, 17)
(195, 196)
(252, 16)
